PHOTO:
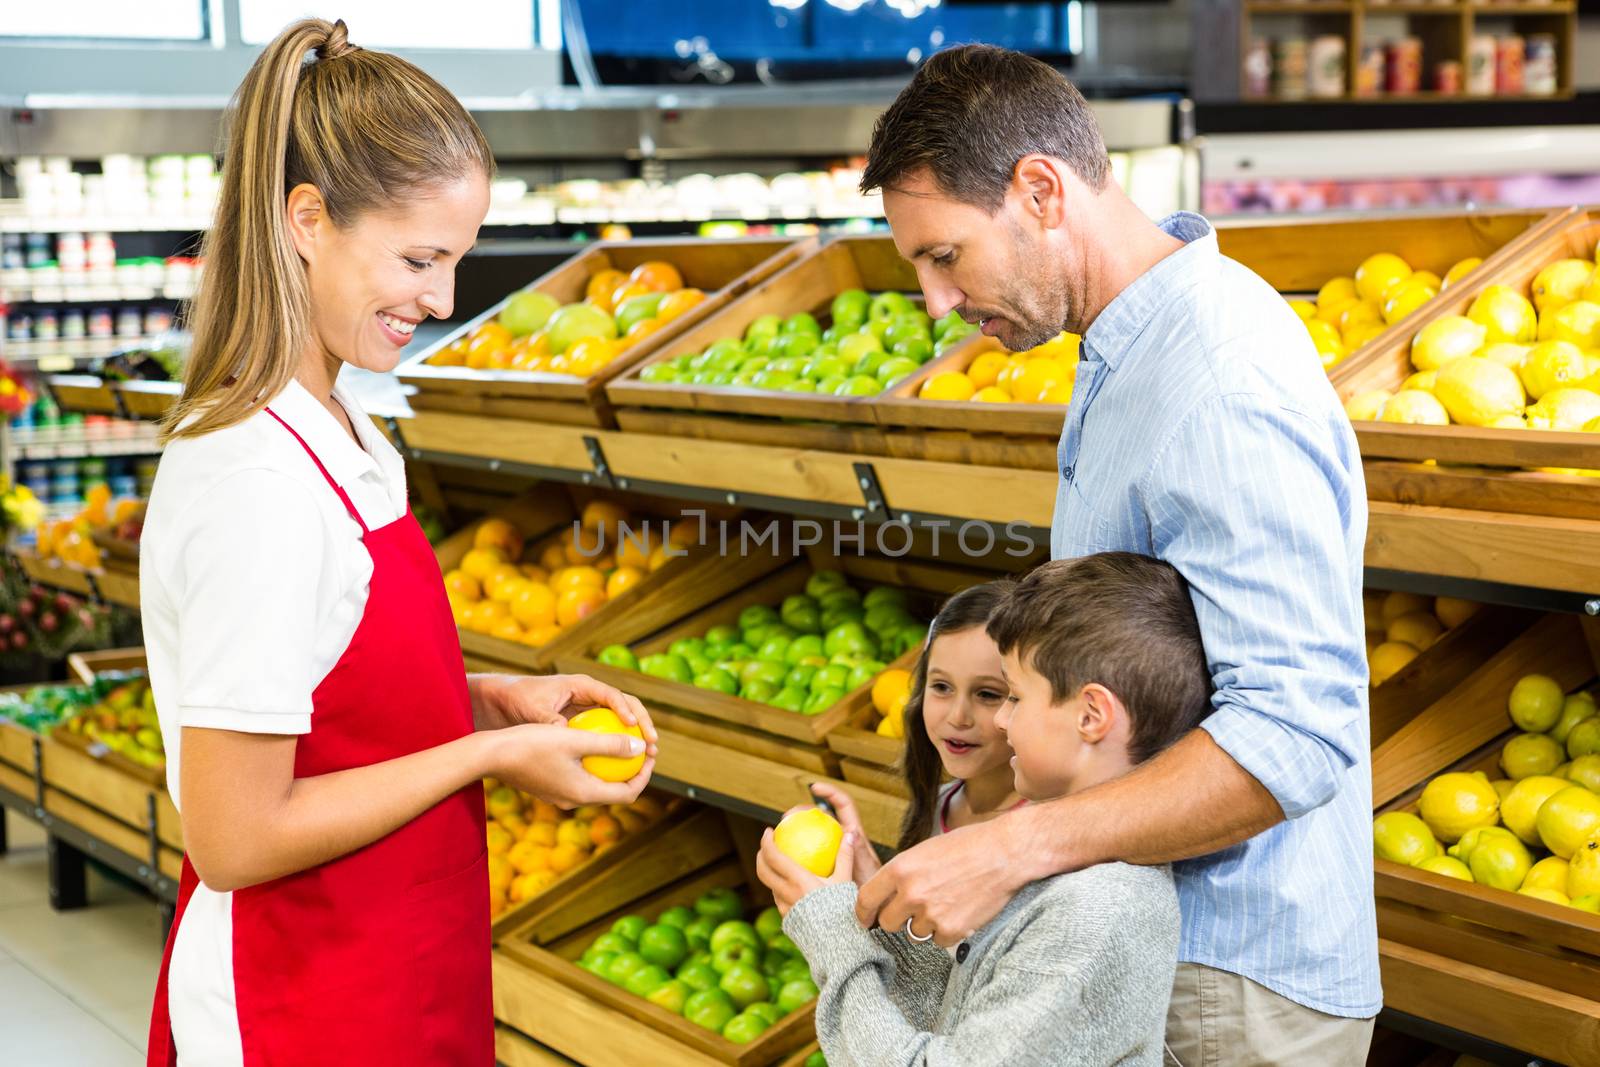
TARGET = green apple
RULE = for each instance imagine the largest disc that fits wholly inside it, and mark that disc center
(619, 656)
(772, 963)
(862, 673)
(773, 379)
(904, 329)
(822, 584)
(731, 357)
(833, 676)
(744, 984)
(809, 643)
(867, 366)
(719, 905)
(687, 646)
(742, 650)
(698, 932)
(774, 649)
(717, 679)
(717, 354)
(798, 346)
(665, 665)
(761, 691)
(833, 334)
(801, 322)
(734, 930)
(671, 995)
(630, 927)
(849, 308)
(888, 306)
(737, 954)
(780, 944)
(820, 368)
(659, 372)
(940, 325)
(752, 364)
(663, 945)
(678, 916)
(766, 1009)
(893, 370)
(916, 349)
(709, 1008)
(528, 311)
(859, 346)
(788, 363)
(684, 363)
(789, 698)
(882, 618)
(821, 700)
(613, 943)
(765, 326)
(699, 975)
(757, 615)
(597, 964)
(830, 386)
(800, 676)
(843, 596)
(721, 377)
(622, 966)
(646, 980)
(816, 1059)
(794, 603)
(860, 385)
(575, 321)
(764, 671)
(845, 637)
(745, 1028)
(800, 385)
(793, 970)
(722, 635)
(796, 994)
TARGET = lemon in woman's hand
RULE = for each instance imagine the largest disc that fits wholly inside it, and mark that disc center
(606, 721)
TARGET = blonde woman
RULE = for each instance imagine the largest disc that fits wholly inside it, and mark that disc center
(324, 741)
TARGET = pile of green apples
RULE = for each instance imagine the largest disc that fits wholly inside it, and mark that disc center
(871, 343)
(803, 655)
(707, 964)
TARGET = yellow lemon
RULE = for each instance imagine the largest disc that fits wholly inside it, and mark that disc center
(1548, 873)
(1519, 808)
(1477, 391)
(1551, 365)
(1335, 290)
(1583, 869)
(1419, 629)
(1527, 755)
(1445, 339)
(1357, 336)
(1387, 659)
(1577, 322)
(985, 370)
(1037, 377)
(891, 727)
(1334, 313)
(948, 385)
(1463, 849)
(1064, 346)
(1398, 603)
(1364, 407)
(1500, 862)
(1414, 406)
(1379, 273)
(1405, 298)
(1304, 308)
(1506, 353)
(1427, 277)
(1503, 787)
(1568, 819)
(1453, 611)
(1448, 866)
(1422, 379)
(1459, 270)
(1549, 896)
(1401, 837)
(889, 686)
(606, 721)
(992, 394)
(480, 563)
(1584, 771)
(1454, 803)
(811, 838)
(1506, 314)
(1564, 409)
(1059, 393)
(1561, 283)
(1359, 314)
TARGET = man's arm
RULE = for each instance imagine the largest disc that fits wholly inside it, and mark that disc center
(1252, 511)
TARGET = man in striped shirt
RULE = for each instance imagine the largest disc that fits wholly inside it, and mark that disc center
(1203, 431)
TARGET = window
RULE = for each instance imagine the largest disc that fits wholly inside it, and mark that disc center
(105, 19)
(482, 24)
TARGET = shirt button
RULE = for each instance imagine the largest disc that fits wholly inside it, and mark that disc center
(961, 952)
(1066, 472)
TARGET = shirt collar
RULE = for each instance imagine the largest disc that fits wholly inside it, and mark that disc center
(1113, 330)
(344, 459)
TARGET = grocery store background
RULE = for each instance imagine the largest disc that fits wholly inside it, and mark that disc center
(615, 120)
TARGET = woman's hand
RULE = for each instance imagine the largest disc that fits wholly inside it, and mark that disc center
(546, 759)
(864, 859)
(789, 881)
(508, 699)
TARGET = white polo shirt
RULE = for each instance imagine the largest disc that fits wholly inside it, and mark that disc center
(252, 574)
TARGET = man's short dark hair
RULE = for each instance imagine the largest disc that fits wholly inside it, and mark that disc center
(1123, 621)
(971, 113)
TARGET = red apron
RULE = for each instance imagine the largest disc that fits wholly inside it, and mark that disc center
(380, 956)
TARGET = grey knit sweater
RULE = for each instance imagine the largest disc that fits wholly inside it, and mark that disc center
(1077, 970)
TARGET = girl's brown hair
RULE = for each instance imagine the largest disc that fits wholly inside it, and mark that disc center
(366, 129)
(920, 764)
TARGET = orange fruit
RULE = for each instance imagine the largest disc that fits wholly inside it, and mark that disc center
(498, 533)
(501, 873)
(631, 821)
(535, 573)
(675, 304)
(499, 839)
(992, 394)
(541, 635)
(458, 609)
(1059, 393)
(542, 832)
(604, 830)
(684, 534)
(527, 886)
(525, 856)
(1037, 377)
(481, 562)
(657, 276)
(506, 630)
(587, 355)
(577, 604)
(949, 385)
(534, 605)
(552, 558)
(602, 514)
(502, 801)
(504, 582)
(601, 286)
(574, 832)
(634, 553)
(892, 685)
(623, 579)
(459, 583)
(565, 857)
(644, 328)
(515, 825)
(544, 811)
(985, 369)
(648, 806)
(659, 558)
(578, 578)
(627, 292)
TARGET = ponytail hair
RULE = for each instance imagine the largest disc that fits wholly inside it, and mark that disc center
(366, 129)
(920, 764)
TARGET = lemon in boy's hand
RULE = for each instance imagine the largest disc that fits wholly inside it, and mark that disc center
(811, 838)
(606, 721)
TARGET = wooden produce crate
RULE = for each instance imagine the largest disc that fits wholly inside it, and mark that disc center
(86, 393)
(53, 572)
(866, 757)
(147, 400)
(722, 268)
(541, 991)
(1464, 943)
(17, 770)
(759, 729)
(754, 415)
(631, 615)
(1386, 363)
(86, 667)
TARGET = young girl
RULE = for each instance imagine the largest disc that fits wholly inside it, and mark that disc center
(334, 905)
(956, 689)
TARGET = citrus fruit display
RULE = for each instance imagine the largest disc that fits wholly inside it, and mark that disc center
(707, 963)
(72, 540)
(529, 593)
(535, 332)
(533, 844)
(1518, 357)
(1347, 311)
(802, 655)
(1537, 830)
(1042, 375)
(871, 342)
(1400, 625)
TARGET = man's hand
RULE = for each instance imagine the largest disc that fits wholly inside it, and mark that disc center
(789, 881)
(949, 885)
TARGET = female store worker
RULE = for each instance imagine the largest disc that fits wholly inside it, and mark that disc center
(325, 745)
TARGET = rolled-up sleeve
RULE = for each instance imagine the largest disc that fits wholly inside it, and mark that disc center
(1251, 503)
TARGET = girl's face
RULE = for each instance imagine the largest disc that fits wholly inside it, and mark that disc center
(964, 690)
(375, 280)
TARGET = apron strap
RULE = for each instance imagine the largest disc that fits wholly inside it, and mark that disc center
(351, 508)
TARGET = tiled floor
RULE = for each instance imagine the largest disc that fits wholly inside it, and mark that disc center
(75, 987)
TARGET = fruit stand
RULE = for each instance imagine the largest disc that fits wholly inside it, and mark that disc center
(1459, 510)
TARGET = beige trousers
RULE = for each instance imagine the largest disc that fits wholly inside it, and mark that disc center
(1218, 1019)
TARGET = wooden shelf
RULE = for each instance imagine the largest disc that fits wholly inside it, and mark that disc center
(1288, 7)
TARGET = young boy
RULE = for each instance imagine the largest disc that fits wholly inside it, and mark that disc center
(1105, 666)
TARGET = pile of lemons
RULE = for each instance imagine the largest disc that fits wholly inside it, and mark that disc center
(1350, 311)
(890, 692)
(1537, 830)
(1042, 375)
(1401, 625)
(528, 594)
(1516, 360)
(533, 844)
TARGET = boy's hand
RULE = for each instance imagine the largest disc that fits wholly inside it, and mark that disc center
(789, 881)
(865, 860)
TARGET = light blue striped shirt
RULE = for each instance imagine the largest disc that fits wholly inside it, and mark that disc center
(1204, 431)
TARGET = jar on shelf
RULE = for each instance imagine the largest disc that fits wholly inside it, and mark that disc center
(1326, 76)
(129, 322)
(1539, 68)
(1509, 56)
(102, 252)
(1447, 77)
(73, 327)
(1480, 65)
(1403, 71)
(1258, 70)
(12, 256)
(1291, 57)
(19, 327)
(130, 273)
(157, 321)
(38, 250)
(46, 325)
(72, 252)
(101, 323)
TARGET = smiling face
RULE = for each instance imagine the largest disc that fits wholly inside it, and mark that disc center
(963, 692)
(999, 270)
(1061, 747)
(375, 280)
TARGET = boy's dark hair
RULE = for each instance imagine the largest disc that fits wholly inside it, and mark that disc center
(1119, 619)
(920, 764)
(970, 113)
